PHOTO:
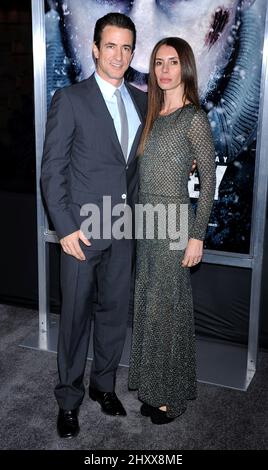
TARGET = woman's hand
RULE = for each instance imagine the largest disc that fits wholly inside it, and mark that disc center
(193, 168)
(193, 253)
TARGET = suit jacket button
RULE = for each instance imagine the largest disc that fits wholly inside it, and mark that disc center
(127, 167)
(123, 196)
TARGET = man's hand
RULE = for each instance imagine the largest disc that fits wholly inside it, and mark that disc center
(70, 244)
(193, 253)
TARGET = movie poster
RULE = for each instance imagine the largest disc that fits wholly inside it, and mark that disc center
(227, 39)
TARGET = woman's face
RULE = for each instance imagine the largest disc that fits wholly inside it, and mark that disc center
(167, 68)
(209, 26)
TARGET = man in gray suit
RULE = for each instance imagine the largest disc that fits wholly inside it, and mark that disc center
(92, 134)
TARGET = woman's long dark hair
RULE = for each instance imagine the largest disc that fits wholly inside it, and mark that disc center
(156, 95)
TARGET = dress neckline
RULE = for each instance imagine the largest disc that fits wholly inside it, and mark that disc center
(174, 112)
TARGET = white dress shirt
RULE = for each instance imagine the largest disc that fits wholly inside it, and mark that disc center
(107, 91)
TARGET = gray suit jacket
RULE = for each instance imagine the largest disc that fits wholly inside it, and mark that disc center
(82, 159)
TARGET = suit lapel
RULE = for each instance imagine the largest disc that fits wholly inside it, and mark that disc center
(135, 144)
(102, 113)
(140, 128)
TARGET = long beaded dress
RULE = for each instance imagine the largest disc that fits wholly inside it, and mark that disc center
(163, 363)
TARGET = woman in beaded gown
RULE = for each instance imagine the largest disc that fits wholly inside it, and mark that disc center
(177, 131)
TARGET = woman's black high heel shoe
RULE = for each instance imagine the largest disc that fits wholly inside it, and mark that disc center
(157, 416)
(160, 417)
(146, 410)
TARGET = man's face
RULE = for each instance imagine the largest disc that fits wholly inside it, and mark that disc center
(114, 53)
(208, 25)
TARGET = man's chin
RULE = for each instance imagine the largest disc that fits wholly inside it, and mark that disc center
(111, 77)
(117, 76)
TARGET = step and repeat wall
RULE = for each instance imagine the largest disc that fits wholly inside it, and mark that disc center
(227, 39)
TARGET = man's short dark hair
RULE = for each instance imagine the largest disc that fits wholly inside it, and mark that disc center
(114, 19)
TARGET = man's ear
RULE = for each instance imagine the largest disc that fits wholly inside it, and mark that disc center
(246, 4)
(95, 51)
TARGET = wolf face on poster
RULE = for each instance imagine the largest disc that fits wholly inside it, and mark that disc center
(227, 39)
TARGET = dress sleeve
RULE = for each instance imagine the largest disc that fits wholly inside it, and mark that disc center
(200, 137)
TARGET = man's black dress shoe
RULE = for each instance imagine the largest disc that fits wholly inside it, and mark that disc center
(109, 402)
(67, 424)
